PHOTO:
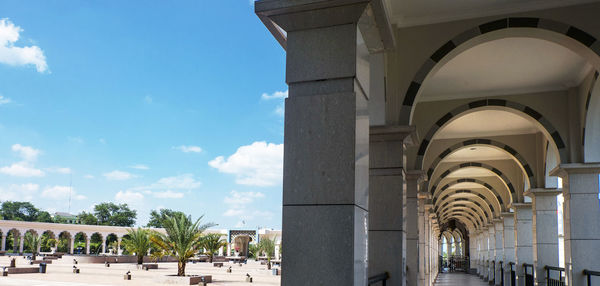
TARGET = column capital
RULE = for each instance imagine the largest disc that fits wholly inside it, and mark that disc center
(424, 195)
(405, 133)
(507, 214)
(417, 175)
(498, 220)
(563, 170)
(543, 192)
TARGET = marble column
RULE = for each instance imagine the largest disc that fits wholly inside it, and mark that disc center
(472, 252)
(326, 166)
(545, 231)
(411, 215)
(119, 250)
(277, 252)
(71, 244)
(221, 251)
(103, 244)
(228, 249)
(387, 191)
(87, 245)
(508, 242)
(3, 247)
(581, 223)
(491, 252)
(21, 243)
(39, 245)
(498, 225)
(523, 239)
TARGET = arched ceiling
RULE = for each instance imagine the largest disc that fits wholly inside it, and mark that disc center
(487, 123)
(507, 66)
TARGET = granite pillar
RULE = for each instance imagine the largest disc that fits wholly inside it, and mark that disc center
(387, 192)
(545, 231)
(71, 245)
(411, 215)
(523, 239)
(421, 221)
(3, 246)
(326, 166)
(508, 242)
(103, 244)
(498, 225)
(491, 253)
(119, 250)
(581, 220)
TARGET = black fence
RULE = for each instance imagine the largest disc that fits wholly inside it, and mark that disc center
(589, 274)
(513, 274)
(454, 264)
(552, 279)
(528, 269)
(501, 272)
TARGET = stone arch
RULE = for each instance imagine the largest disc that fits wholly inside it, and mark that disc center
(462, 217)
(449, 194)
(502, 176)
(96, 239)
(486, 215)
(111, 243)
(485, 185)
(501, 104)
(463, 212)
(46, 245)
(64, 241)
(481, 202)
(591, 124)
(522, 162)
(587, 45)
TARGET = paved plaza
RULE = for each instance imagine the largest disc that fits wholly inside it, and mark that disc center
(61, 273)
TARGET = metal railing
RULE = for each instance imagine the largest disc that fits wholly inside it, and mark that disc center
(528, 275)
(513, 274)
(589, 274)
(383, 277)
(550, 281)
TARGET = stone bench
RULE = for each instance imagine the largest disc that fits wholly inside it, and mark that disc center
(22, 270)
(218, 264)
(202, 278)
(51, 258)
(149, 266)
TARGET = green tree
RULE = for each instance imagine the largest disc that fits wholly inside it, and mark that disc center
(44, 216)
(182, 238)
(87, 218)
(157, 217)
(115, 215)
(267, 246)
(138, 242)
(21, 211)
(32, 242)
(211, 244)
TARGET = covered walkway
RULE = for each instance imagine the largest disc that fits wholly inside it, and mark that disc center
(456, 278)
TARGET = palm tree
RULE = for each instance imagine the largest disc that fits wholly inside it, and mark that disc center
(138, 242)
(33, 241)
(211, 243)
(268, 247)
(182, 238)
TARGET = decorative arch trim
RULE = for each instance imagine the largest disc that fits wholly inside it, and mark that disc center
(466, 180)
(456, 112)
(504, 23)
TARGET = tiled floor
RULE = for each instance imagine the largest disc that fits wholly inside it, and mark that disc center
(462, 279)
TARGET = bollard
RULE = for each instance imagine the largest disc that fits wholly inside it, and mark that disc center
(127, 276)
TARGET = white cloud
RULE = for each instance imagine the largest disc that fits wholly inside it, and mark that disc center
(258, 164)
(188, 149)
(129, 197)
(117, 175)
(275, 95)
(168, 194)
(59, 170)
(139, 167)
(22, 169)
(237, 202)
(4, 100)
(18, 56)
(26, 152)
(88, 176)
(61, 193)
(22, 192)
(148, 99)
(184, 182)
(280, 110)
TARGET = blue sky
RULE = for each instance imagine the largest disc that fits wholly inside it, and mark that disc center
(174, 104)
